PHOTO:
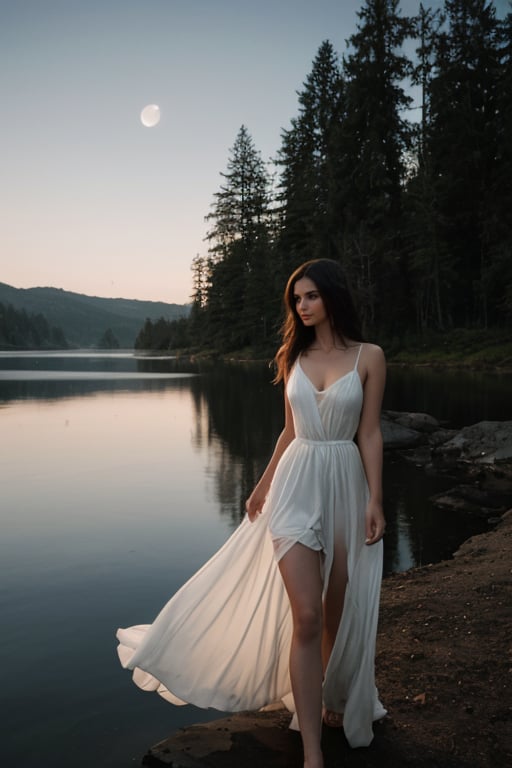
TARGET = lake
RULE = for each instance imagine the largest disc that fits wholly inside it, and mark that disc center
(120, 476)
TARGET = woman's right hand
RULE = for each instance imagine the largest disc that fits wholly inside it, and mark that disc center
(254, 504)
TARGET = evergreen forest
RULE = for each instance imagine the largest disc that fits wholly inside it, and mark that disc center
(398, 165)
(23, 330)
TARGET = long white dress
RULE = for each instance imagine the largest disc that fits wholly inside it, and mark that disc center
(223, 639)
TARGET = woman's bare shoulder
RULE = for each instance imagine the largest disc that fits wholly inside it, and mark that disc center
(373, 363)
(373, 352)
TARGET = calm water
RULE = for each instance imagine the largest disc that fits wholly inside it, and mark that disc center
(119, 478)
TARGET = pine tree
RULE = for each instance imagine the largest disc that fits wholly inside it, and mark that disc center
(497, 220)
(428, 262)
(310, 205)
(108, 340)
(144, 338)
(23, 330)
(377, 139)
(239, 252)
(462, 147)
(198, 320)
(241, 205)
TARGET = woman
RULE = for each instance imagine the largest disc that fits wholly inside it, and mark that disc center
(321, 507)
(293, 616)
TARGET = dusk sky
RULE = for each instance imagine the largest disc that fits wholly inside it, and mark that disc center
(94, 202)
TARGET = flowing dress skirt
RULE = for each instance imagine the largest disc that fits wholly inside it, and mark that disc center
(223, 640)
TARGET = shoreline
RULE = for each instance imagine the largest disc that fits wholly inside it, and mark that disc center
(401, 359)
(443, 669)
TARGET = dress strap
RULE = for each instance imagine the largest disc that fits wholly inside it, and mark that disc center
(357, 358)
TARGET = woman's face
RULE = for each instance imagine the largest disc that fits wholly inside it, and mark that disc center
(308, 302)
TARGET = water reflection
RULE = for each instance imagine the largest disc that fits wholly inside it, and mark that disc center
(458, 397)
(244, 418)
(234, 418)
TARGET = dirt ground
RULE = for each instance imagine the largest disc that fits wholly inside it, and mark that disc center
(444, 663)
(444, 672)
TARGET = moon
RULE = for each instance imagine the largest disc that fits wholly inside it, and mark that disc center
(150, 115)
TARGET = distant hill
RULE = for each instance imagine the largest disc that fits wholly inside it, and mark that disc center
(85, 319)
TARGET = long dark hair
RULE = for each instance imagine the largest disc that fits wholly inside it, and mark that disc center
(332, 286)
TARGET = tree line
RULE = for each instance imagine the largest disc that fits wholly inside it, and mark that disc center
(411, 195)
(20, 329)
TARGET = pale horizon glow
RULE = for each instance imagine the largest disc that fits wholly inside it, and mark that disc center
(94, 202)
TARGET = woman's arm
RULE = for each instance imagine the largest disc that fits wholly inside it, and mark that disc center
(369, 440)
(255, 502)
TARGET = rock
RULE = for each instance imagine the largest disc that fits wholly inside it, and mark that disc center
(424, 442)
(441, 436)
(480, 499)
(401, 429)
(481, 454)
(487, 442)
(421, 422)
(243, 739)
(453, 502)
(420, 456)
(395, 435)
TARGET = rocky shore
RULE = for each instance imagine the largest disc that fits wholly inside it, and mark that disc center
(444, 652)
(478, 458)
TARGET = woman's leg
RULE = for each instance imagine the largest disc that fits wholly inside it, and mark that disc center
(333, 610)
(334, 599)
(300, 569)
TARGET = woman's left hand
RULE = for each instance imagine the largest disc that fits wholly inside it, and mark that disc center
(375, 523)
